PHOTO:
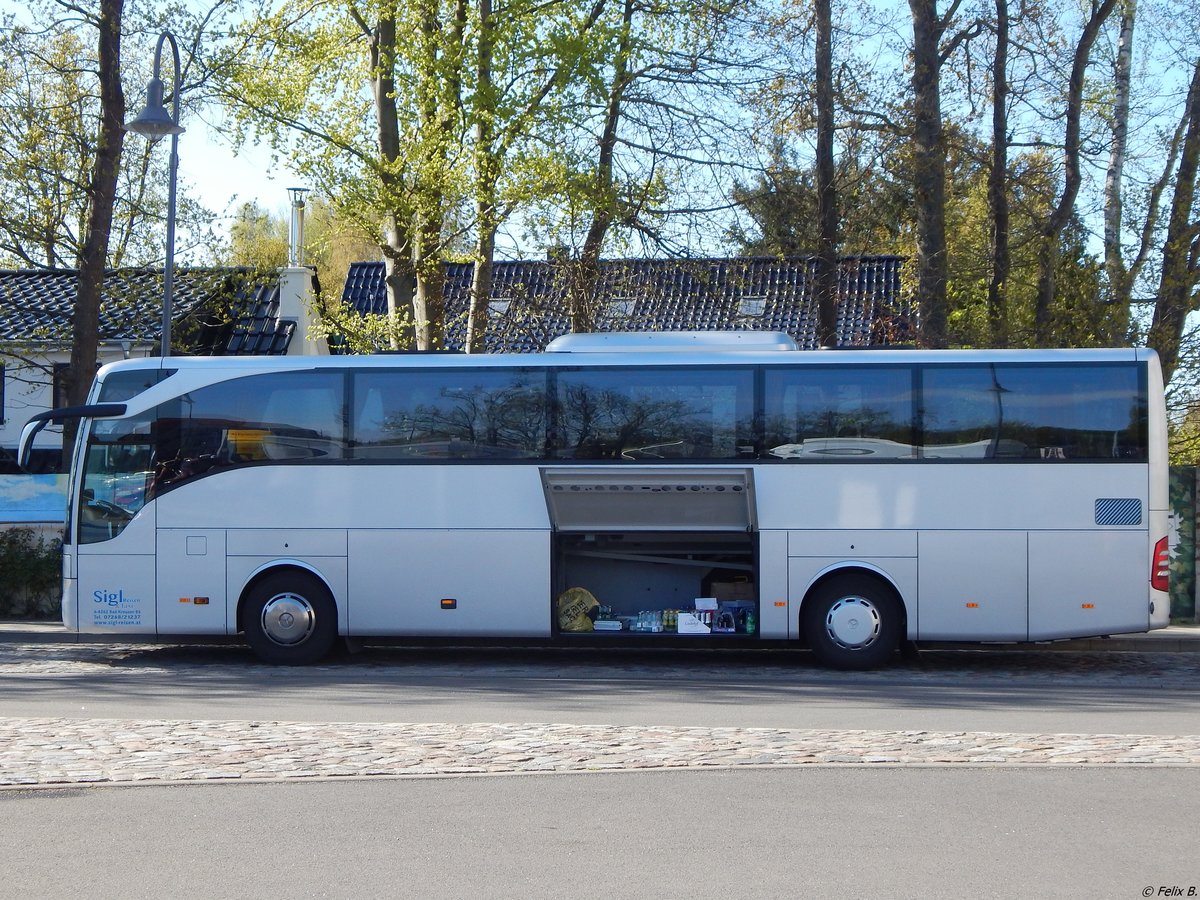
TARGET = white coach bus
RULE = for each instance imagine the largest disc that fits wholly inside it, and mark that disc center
(716, 488)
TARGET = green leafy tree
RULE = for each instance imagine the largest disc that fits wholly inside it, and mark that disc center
(260, 239)
(658, 129)
(68, 145)
(43, 96)
(525, 63)
(1078, 317)
(52, 109)
(257, 238)
(364, 100)
(455, 91)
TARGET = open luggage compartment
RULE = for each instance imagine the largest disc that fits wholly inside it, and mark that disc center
(653, 550)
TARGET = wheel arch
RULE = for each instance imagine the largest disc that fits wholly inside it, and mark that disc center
(850, 569)
(278, 566)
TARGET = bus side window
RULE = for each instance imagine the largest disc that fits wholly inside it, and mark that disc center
(837, 413)
(658, 413)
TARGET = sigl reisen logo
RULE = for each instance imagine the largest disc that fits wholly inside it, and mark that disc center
(110, 598)
(116, 609)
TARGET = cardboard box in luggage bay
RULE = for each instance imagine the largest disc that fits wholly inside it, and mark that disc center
(733, 590)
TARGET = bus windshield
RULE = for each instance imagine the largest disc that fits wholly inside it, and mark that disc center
(118, 466)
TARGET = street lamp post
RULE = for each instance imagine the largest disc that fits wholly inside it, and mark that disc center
(156, 122)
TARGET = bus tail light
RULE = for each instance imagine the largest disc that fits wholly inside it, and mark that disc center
(1160, 570)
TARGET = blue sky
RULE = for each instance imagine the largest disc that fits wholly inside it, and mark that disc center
(223, 181)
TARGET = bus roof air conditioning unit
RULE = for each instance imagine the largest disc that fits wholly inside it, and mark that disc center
(668, 341)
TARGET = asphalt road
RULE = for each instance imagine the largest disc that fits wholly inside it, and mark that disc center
(966, 829)
(837, 833)
(1087, 693)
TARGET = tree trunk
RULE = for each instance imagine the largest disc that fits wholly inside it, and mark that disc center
(1061, 214)
(400, 284)
(1119, 283)
(435, 97)
(429, 303)
(929, 172)
(487, 177)
(998, 185)
(1180, 270)
(102, 194)
(827, 216)
(481, 289)
(585, 271)
(413, 250)
(397, 248)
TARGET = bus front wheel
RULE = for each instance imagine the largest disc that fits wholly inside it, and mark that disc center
(290, 619)
(853, 622)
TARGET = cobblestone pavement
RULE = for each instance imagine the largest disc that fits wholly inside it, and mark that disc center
(63, 751)
(60, 751)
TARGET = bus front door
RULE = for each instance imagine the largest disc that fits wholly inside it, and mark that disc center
(116, 577)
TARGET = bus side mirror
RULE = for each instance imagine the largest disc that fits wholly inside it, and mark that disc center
(41, 420)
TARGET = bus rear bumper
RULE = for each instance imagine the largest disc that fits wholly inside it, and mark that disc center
(1160, 610)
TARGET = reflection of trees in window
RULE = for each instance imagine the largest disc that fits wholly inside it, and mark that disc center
(697, 422)
(1040, 411)
(605, 422)
(865, 421)
(839, 412)
(511, 416)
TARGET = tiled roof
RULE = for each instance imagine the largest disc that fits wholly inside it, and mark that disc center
(738, 293)
(255, 328)
(218, 311)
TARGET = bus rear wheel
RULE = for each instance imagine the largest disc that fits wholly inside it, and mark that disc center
(290, 619)
(853, 622)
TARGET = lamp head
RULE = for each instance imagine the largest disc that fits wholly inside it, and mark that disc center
(297, 195)
(154, 121)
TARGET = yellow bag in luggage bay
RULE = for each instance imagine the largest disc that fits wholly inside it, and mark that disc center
(576, 609)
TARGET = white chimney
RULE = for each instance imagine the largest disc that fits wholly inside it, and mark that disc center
(296, 297)
(296, 236)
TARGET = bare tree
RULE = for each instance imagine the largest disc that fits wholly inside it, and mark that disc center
(929, 53)
(102, 192)
(582, 273)
(660, 139)
(998, 184)
(827, 213)
(1119, 283)
(1181, 255)
(1064, 209)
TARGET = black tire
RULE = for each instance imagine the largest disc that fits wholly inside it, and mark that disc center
(853, 622)
(290, 619)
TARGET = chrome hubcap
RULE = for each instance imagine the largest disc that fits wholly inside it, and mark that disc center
(853, 623)
(288, 619)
